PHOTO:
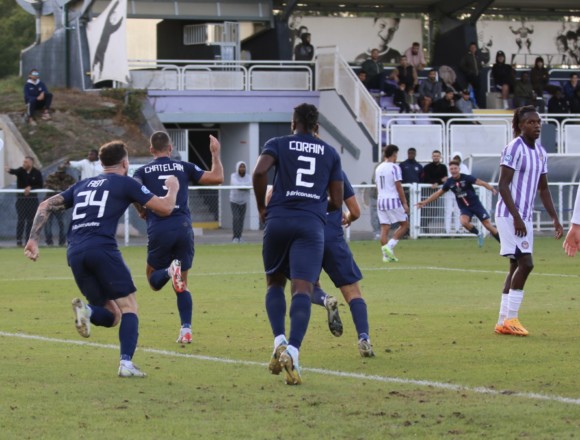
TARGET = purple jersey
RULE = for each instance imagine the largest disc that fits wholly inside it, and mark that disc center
(98, 203)
(153, 176)
(305, 165)
(528, 165)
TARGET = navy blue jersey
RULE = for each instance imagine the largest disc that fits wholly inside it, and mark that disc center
(463, 189)
(98, 203)
(305, 165)
(333, 230)
(153, 176)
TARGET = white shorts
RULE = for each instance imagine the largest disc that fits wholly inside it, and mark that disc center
(391, 216)
(511, 244)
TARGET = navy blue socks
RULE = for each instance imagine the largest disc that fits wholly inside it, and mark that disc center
(128, 335)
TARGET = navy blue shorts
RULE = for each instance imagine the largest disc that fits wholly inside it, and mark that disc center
(166, 245)
(294, 246)
(101, 274)
(476, 210)
(339, 264)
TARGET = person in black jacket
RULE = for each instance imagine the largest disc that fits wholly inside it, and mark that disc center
(36, 97)
(28, 178)
(503, 77)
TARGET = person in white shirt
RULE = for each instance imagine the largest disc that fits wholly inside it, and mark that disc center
(392, 204)
(89, 167)
(239, 199)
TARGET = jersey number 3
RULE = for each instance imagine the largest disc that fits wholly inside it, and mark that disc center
(89, 200)
(311, 161)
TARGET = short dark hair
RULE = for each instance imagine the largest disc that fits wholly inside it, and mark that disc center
(436, 151)
(412, 149)
(92, 150)
(415, 44)
(113, 153)
(160, 141)
(390, 150)
(30, 158)
(453, 162)
(306, 115)
(573, 74)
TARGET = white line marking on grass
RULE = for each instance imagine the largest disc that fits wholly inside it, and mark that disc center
(365, 269)
(324, 372)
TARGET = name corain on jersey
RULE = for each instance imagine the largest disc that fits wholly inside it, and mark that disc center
(306, 147)
(163, 167)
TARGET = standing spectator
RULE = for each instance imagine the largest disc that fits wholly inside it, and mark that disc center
(28, 178)
(430, 90)
(294, 234)
(464, 104)
(415, 56)
(571, 86)
(392, 204)
(435, 172)
(374, 70)
(411, 170)
(523, 92)
(540, 78)
(239, 199)
(93, 255)
(89, 167)
(470, 65)
(170, 247)
(503, 77)
(58, 182)
(405, 73)
(558, 103)
(523, 175)
(304, 51)
(36, 97)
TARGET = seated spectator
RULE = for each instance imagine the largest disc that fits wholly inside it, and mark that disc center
(430, 90)
(36, 97)
(400, 99)
(571, 86)
(405, 73)
(362, 76)
(558, 104)
(464, 103)
(446, 104)
(575, 103)
(415, 56)
(503, 77)
(540, 77)
(374, 70)
(412, 100)
(304, 51)
(523, 92)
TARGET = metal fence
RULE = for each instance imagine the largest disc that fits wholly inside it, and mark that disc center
(212, 215)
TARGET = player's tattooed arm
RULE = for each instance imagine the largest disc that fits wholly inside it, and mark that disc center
(45, 210)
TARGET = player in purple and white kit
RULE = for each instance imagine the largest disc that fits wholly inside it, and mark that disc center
(93, 255)
(308, 182)
(523, 172)
(391, 204)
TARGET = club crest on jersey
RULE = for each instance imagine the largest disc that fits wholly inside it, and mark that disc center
(145, 190)
(507, 158)
(525, 245)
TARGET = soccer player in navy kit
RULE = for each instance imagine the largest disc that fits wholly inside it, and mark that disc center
(170, 249)
(338, 262)
(96, 262)
(307, 168)
(469, 204)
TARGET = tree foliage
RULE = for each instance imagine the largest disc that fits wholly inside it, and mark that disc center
(17, 31)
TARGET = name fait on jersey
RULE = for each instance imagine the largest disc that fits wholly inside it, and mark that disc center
(306, 147)
(163, 167)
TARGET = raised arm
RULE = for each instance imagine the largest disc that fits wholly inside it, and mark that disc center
(164, 206)
(215, 176)
(430, 199)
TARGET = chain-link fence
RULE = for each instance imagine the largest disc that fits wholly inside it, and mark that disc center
(213, 215)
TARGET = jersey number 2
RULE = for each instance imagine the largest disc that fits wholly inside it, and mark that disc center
(90, 201)
(311, 161)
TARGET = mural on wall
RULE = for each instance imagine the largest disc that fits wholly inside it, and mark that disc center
(523, 41)
(356, 37)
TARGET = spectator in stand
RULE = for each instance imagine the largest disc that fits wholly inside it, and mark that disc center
(375, 71)
(503, 77)
(362, 76)
(58, 182)
(435, 172)
(304, 51)
(571, 86)
(405, 73)
(412, 100)
(464, 103)
(446, 104)
(523, 92)
(36, 97)
(558, 104)
(411, 170)
(430, 90)
(400, 98)
(415, 56)
(575, 103)
(89, 167)
(470, 65)
(540, 78)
